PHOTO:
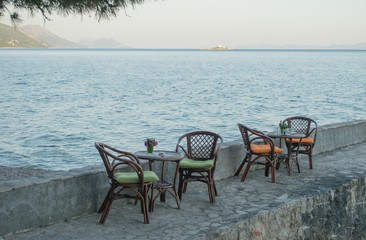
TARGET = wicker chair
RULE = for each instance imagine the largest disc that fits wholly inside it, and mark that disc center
(262, 147)
(308, 127)
(137, 181)
(201, 149)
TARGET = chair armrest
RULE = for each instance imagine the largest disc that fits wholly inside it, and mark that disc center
(265, 139)
(185, 152)
(258, 139)
(313, 132)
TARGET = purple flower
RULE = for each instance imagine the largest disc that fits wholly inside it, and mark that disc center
(150, 142)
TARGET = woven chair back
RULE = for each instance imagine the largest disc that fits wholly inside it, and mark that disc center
(302, 125)
(201, 145)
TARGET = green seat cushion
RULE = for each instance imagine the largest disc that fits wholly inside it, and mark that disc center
(189, 163)
(131, 177)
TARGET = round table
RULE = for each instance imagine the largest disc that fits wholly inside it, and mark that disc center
(292, 150)
(163, 186)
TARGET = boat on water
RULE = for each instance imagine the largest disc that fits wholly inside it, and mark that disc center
(220, 47)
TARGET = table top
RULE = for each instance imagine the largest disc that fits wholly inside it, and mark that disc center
(279, 135)
(160, 155)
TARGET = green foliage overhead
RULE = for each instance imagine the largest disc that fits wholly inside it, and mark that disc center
(101, 9)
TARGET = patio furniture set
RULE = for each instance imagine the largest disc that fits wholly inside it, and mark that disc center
(195, 158)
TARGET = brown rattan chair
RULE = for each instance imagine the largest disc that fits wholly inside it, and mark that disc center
(137, 182)
(262, 147)
(201, 149)
(308, 127)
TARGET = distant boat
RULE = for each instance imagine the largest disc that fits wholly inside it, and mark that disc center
(220, 47)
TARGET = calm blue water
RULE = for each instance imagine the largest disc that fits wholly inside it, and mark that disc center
(56, 103)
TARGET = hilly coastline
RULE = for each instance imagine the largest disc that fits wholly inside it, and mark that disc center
(11, 37)
(357, 46)
(52, 40)
(35, 36)
(105, 43)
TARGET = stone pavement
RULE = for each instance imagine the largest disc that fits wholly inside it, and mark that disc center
(236, 203)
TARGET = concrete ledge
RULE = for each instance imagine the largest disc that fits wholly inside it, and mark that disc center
(338, 213)
(55, 196)
(37, 202)
(339, 135)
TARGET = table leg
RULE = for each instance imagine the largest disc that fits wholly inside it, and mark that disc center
(297, 155)
(162, 196)
(175, 195)
(288, 145)
(171, 188)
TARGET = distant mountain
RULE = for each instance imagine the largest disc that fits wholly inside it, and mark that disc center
(49, 38)
(102, 43)
(11, 37)
(35, 36)
(358, 46)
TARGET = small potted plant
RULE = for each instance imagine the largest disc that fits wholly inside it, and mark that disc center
(283, 126)
(150, 143)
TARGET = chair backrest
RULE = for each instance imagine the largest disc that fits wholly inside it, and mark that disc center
(250, 135)
(245, 133)
(200, 145)
(303, 125)
(114, 158)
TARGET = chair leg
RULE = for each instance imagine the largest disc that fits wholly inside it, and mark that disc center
(310, 158)
(278, 165)
(215, 189)
(143, 209)
(180, 184)
(145, 204)
(185, 187)
(106, 199)
(142, 203)
(297, 164)
(273, 168)
(246, 171)
(185, 183)
(211, 192)
(151, 201)
(106, 211)
(241, 165)
(266, 171)
(211, 189)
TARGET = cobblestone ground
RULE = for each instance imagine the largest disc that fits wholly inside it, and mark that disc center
(237, 202)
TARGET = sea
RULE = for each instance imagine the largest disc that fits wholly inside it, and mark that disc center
(54, 104)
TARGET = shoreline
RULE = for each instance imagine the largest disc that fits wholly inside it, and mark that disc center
(190, 49)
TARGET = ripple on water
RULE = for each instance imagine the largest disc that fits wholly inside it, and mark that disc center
(56, 104)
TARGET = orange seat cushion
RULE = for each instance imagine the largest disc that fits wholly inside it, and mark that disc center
(304, 140)
(264, 149)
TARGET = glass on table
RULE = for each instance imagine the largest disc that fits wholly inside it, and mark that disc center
(276, 130)
(289, 131)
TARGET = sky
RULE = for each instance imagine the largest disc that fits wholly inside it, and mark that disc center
(196, 24)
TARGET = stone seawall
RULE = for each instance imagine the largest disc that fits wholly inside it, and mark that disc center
(338, 213)
(42, 199)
